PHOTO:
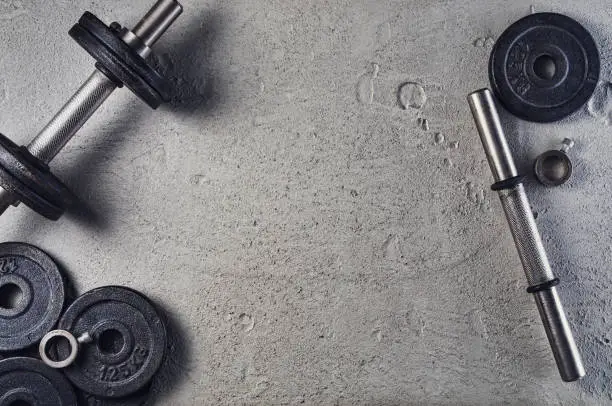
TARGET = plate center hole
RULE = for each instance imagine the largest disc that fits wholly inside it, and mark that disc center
(555, 168)
(545, 67)
(111, 342)
(56, 342)
(11, 296)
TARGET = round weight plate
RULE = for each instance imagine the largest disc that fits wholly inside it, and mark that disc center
(27, 381)
(31, 181)
(121, 60)
(29, 197)
(129, 341)
(544, 67)
(34, 173)
(31, 295)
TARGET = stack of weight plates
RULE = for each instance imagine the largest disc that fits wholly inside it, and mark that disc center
(125, 346)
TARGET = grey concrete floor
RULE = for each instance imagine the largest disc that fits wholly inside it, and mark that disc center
(312, 240)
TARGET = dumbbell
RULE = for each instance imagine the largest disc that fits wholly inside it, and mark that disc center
(121, 60)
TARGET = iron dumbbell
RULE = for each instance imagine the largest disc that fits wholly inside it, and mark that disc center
(121, 56)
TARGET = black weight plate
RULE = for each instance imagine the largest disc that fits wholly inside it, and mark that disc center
(121, 60)
(33, 172)
(29, 197)
(129, 341)
(544, 67)
(31, 182)
(30, 275)
(27, 381)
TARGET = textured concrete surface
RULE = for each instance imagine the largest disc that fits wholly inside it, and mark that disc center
(312, 210)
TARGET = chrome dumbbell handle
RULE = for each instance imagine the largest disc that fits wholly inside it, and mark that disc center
(522, 224)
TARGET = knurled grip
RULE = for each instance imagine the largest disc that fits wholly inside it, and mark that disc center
(71, 117)
(526, 236)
